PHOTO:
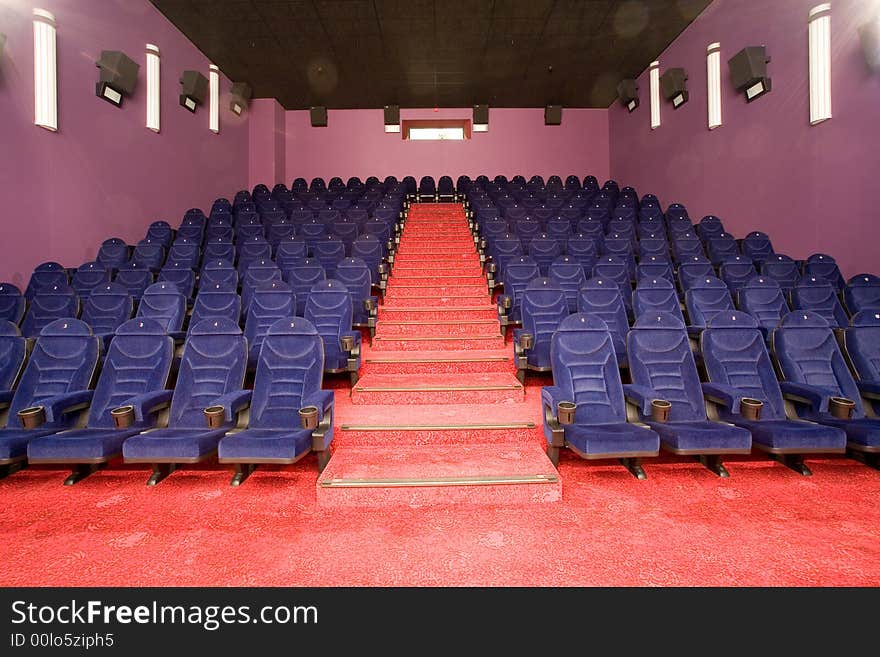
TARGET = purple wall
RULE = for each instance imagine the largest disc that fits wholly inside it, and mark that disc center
(518, 142)
(103, 173)
(266, 142)
(809, 188)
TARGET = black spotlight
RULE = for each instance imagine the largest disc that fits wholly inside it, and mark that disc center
(481, 118)
(673, 84)
(193, 90)
(628, 93)
(553, 115)
(118, 76)
(240, 97)
(748, 72)
(869, 35)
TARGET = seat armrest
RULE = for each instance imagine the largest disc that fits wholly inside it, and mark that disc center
(68, 402)
(640, 396)
(149, 403)
(695, 331)
(233, 403)
(6, 398)
(722, 394)
(322, 400)
(869, 389)
(813, 396)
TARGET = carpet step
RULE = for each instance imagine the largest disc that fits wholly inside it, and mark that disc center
(401, 279)
(435, 362)
(412, 289)
(449, 259)
(446, 474)
(474, 299)
(485, 388)
(432, 267)
(457, 327)
(438, 312)
(438, 342)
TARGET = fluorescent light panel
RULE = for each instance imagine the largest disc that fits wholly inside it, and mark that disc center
(392, 127)
(713, 76)
(214, 91)
(153, 87)
(820, 63)
(45, 71)
(655, 95)
(755, 90)
(480, 127)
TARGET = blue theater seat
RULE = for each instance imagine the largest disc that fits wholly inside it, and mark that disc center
(12, 303)
(709, 226)
(862, 292)
(814, 371)
(48, 305)
(270, 302)
(653, 295)
(517, 274)
(602, 298)
(662, 368)
(211, 373)
(655, 267)
(290, 251)
(106, 309)
(762, 298)
(113, 253)
(184, 253)
(181, 276)
(257, 274)
(821, 265)
(782, 269)
(569, 275)
(544, 306)
(616, 269)
(13, 353)
(544, 249)
(329, 251)
(738, 366)
(218, 249)
(164, 303)
(704, 299)
(135, 278)
(288, 378)
(301, 278)
(57, 378)
(819, 296)
(736, 271)
(355, 275)
(134, 372)
(329, 309)
(861, 341)
(216, 302)
(149, 254)
(585, 373)
(46, 275)
(721, 248)
(87, 277)
(218, 272)
(758, 247)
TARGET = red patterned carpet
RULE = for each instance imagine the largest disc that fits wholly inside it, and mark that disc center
(683, 526)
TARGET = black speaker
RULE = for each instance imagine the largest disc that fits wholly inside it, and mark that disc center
(392, 115)
(240, 97)
(118, 71)
(318, 116)
(869, 35)
(628, 93)
(748, 66)
(481, 115)
(193, 89)
(553, 115)
(673, 85)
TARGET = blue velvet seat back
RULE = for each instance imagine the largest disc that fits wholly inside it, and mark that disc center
(329, 251)
(653, 246)
(113, 253)
(138, 361)
(218, 272)
(355, 275)
(329, 309)
(862, 292)
(290, 368)
(660, 358)
(544, 306)
(518, 273)
(186, 252)
(602, 298)
(544, 249)
(160, 231)
(149, 254)
(135, 278)
(46, 275)
(585, 369)
(378, 228)
(736, 271)
(252, 249)
(687, 246)
(807, 352)
(709, 226)
(706, 297)
(735, 354)
(213, 364)
(12, 303)
(164, 303)
(656, 295)
(692, 269)
(258, 273)
(762, 298)
(782, 269)
(13, 350)
(345, 231)
(272, 301)
(216, 303)
(819, 296)
(655, 267)
(88, 276)
(302, 278)
(569, 275)
(757, 246)
(63, 359)
(48, 305)
(280, 231)
(218, 250)
(503, 249)
(249, 231)
(179, 275)
(107, 308)
(721, 247)
(824, 266)
(863, 344)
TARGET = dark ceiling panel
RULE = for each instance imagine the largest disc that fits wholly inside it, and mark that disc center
(424, 53)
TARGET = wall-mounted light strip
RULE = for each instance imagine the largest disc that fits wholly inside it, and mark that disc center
(45, 71)
(153, 87)
(655, 95)
(214, 90)
(820, 63)
(713, 77)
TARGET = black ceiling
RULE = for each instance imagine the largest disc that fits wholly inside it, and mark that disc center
(432, 53)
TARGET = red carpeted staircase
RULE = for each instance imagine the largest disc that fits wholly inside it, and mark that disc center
(438, 415)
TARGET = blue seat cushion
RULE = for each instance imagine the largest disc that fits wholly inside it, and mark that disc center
(14, 442)
(611, 438)
(173, 443)
(791, 434)
(703, 436)
(265, 444)
(80, 444)
(863, 431)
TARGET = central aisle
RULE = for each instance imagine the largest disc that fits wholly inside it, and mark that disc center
(438, 415)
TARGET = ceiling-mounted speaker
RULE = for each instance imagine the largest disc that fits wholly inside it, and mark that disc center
(553, 115)
(869, 35)
(673, 85)
(392, 118)
(118, 76)
(748, 71)
(193, 89)
(481, 118)
(240, 97)
(318, 116)
(628, 93)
